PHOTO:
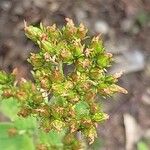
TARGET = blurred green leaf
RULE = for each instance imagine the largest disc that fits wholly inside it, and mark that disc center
(142, 146)
(96, 145)
(15, 142)
(53, 138)
(9, 107)
(143, 18)
(28, 123)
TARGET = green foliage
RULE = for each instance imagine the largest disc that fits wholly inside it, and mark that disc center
(11, 140)
(10, 108)
(24, 131)
(58, 102)
(52, 139)
(143, 18)
(98, 143)
(142, 146)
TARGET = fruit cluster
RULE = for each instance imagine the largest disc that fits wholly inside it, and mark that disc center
(70, 76)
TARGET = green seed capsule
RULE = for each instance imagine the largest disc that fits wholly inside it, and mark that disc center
(66, 56)
(103, 61)
(58, 125)
(5, 78)
(95, 73)
(83, 64)
(81, 32)
(78, 48)
(100, 116)
(97, 45)
(33, 33)
(46, 46)
(35, 60)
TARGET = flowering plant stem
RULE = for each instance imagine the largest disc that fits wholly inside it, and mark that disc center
(63, 100)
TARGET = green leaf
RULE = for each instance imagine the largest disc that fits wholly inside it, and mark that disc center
(15, 142)
(28, 123)
(9, 107)
(53, 138)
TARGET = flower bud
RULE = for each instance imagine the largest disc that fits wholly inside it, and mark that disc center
(97, 45)
(83, 64)
(32, 32)
(82, 30)
(98, 117)
(8, 93)
(51, 29)
(45, 83)
(103, 61)
(90, 96)
(56, 76)
(24, 112)
(58, 125)
(43, 111)
(95, 73)
(116, 88)
(21, 95)
(66, 56)
(78, 48)
(12, 132)
(35, 60)
(46, 46)
(6, 78)
(90, 133)
(41, 147)
(89, 52)
(70, 29)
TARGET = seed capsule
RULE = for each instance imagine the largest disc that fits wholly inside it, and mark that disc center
(24, 112)
(97, 45)
(66, 56)
(100, 116)
(46, 46)
(82, 30)
(12, 132)
(32, 32)
(103, 61)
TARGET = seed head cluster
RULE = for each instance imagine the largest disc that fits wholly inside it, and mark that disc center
(70, 77)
